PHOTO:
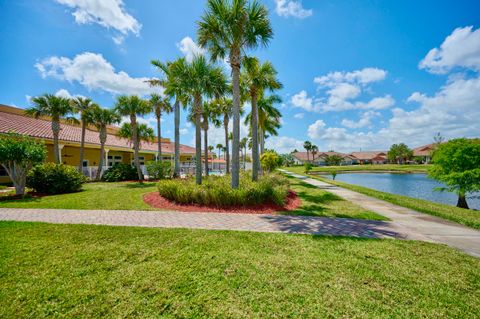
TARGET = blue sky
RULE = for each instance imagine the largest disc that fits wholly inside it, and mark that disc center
(356, 74)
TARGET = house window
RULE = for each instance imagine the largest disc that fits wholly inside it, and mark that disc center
(3, 172)
(114, 160)
(141, 159)
(85, 163)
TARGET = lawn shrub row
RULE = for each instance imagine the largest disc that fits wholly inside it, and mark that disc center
(50, 178)
(216, 191)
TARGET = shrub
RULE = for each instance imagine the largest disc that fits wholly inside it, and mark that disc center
(216, 191)
(270, 161)
(308, 167)
(159, 170)
(120, 172)
(50, 178)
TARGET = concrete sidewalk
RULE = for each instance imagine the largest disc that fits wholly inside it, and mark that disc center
(413, 224)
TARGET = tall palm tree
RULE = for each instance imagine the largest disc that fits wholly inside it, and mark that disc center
(203, 80)
(268, 118)
(144, 132)
(257, 77)
(210, 113)
(56, 108)
(314, 150)
(133, 106)
(307, 145)
(224, 106)
(101, 118)
(160, 105)
(81, 105)
(219, 148)
(174, 73)
(228, 29)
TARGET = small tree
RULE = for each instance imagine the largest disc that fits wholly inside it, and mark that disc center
(18, 154)
(457, 165)
(333, 160)
(270, 161)
(399, 153)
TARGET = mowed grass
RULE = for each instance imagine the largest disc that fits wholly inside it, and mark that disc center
(355, 168)
(116, 196)
(98, 271)
(318, 202)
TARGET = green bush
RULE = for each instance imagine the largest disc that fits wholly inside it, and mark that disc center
(159, 169)
(50, 178)
(216, 191)
(120, 172)
(270, 161)
(308, 167)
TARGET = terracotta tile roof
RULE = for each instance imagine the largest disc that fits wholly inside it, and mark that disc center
(368, 155)
(424, 150)
(302, 156)
(69, 133)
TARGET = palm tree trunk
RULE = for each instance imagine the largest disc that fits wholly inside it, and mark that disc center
(198, 140)
(56, 131)
(225, 127)
(254, 126)
(262, 142)
(462, 201)
(159, 138)
(205, 151)
(133, 121)
(82, 146)
(103, 138)
(235, 64)
(177, 139)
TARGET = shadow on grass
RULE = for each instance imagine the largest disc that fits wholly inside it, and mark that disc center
(139, 185)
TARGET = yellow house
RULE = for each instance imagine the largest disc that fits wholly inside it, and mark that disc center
(117, 150)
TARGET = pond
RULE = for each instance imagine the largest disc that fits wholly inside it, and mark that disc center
(411, 185)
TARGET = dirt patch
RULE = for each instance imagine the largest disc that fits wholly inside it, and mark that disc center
(155, 200)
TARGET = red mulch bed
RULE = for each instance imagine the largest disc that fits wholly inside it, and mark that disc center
(155, 200)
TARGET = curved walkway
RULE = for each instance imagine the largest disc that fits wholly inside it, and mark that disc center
(413, 223)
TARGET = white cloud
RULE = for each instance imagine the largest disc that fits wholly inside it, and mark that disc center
(63, 93)
(364, 121)
(107, 13)
(342, 88)
(292, 8)
(459, 49)
(317, 129)
(183, 131)
(95, 73)
(299, 116)
(189, 48)
(283, 144)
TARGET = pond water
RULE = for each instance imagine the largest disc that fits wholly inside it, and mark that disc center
(412, 185)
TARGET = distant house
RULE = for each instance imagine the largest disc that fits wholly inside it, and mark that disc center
(371, 157)
(424, 152)
(319, 160)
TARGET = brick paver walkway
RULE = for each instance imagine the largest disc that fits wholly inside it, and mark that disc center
(218, 221)
(414, 224)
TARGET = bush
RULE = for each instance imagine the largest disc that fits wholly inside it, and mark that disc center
(308, 167)
(159, 170)
(120, 172)
(270, 161)
(50, 178)
(216, 191)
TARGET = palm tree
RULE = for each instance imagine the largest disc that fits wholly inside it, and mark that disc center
(175, 73)
(202, 80)
(159, 105)
(307, 145)
(55, 107)
(314, 150)
(210, 113)
(82, 105)
(243, 146)
(210, 149)
(101, 118)
(133, 106)
(144, 132)
(224, 106)
(219, 148)
(228, 29)
(257, 77)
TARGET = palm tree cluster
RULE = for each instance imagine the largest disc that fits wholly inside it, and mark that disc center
(228, 30)
(310, 148)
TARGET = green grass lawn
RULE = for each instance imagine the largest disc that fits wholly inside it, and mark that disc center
(355, 168)
(466, 217)
(98, 271)
(318, 202)
(94, 196)
(129, 196)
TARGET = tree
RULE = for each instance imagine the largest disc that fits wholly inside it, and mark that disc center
(81, 105)
(219, 148)
(243, 146)
(101, 118)
(144, 132)
(210, 113)
(314, 150)
(270, 161)
(18, 154)
(57, 108)
(257, 77)
(160, 105)
(307, 145)
(224, 106)
(175, 73)
(333, 160)
(287, 159)
(456, 163)
(399, 153)
(228, 29)
(268, 118)
(133, 106)
(203, 80)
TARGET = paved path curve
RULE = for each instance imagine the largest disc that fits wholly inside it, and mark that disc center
(414, 224)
